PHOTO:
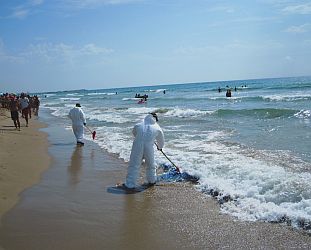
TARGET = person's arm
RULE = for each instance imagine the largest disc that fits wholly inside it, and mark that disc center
(83, 117)
(134, 131)
(70, 114)
(160, 139)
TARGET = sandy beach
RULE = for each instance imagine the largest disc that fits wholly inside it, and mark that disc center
(74, 204)
(23, 158)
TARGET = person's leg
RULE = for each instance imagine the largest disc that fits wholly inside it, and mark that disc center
(25, 114)
(13, 117)
(15, 123)
(78, 131)
(132, 175)
(75, 131)
(18, 123)
(134, 167)
(151, 174)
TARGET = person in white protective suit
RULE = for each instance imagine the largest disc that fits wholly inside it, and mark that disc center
(146, 134)
(77, 117)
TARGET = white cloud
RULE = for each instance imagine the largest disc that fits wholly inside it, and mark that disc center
(36, 2)
(94, 3)
(278, 2)
(55, 53)
(20, 13)
(49, 52)
(298, 29)
(92, 49)
(252, 19)
(227, 47)
(298, 9)
(24, 10)
(226, 9)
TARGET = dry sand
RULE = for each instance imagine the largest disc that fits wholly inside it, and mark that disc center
(23, 158)
(75, 206)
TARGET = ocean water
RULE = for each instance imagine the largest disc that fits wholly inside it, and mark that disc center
(254, 147)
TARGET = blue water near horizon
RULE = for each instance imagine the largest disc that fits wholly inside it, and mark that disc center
(254, 147)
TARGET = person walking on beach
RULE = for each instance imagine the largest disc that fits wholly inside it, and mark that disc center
(14, 107)
(24, 103)
(146, 133)
(30, 105)
(77, 117)
(36, 105)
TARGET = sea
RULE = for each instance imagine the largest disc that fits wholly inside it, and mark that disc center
(253, 149)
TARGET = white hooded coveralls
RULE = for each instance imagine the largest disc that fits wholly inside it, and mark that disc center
(146, 133)
(78, 119)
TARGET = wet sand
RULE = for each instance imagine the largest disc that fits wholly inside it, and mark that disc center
(75, 207)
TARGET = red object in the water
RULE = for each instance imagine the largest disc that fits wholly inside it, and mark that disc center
(93, 134)
(141, 101)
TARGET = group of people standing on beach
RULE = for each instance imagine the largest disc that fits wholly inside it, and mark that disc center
(147, 133)
(20, 104)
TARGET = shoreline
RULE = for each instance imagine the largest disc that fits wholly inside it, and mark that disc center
(20, 150)
(72, 207)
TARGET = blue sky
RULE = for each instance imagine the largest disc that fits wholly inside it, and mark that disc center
(50, 45)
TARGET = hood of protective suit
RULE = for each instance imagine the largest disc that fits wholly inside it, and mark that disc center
(148, 131)
(149, 120)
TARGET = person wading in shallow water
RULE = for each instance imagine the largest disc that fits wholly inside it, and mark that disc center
(77, 117)
(145, 133)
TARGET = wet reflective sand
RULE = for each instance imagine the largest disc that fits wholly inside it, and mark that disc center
(71, 208)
